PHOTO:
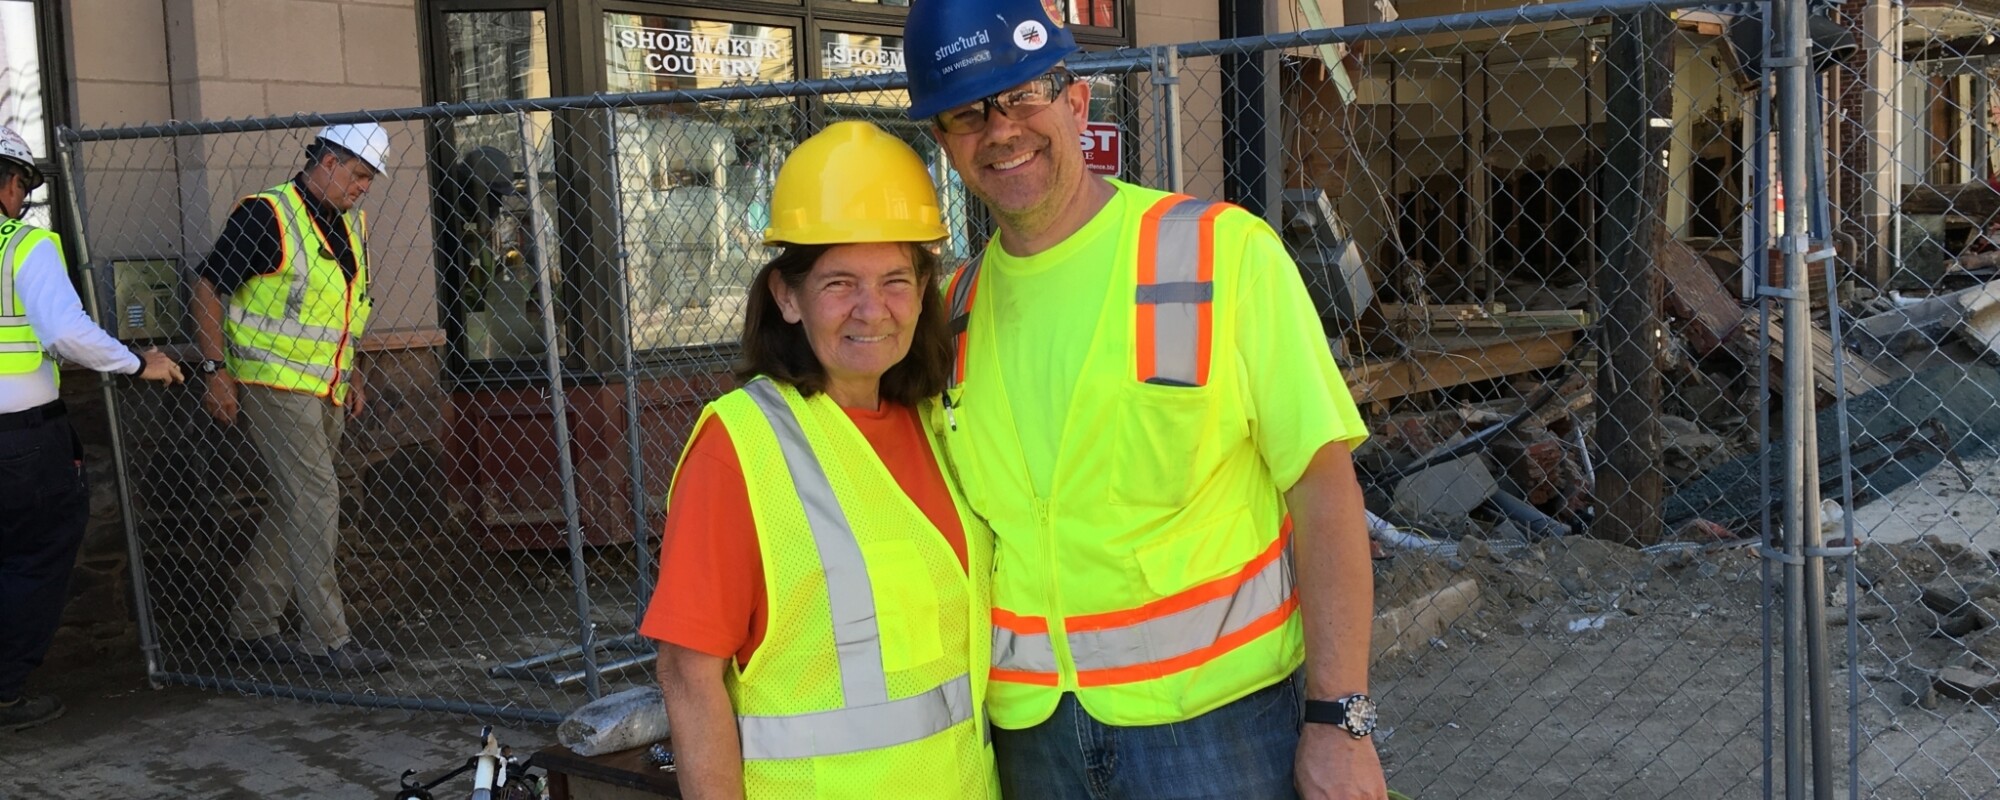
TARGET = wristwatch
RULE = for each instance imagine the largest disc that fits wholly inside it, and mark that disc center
(1354, 713)
(209, 366)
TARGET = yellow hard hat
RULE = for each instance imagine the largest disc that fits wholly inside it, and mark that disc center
(853, 182)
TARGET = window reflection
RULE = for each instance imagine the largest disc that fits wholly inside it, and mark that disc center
(493, 239)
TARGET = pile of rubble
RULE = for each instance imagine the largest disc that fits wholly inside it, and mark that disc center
(1940, 602)
(1521, 470)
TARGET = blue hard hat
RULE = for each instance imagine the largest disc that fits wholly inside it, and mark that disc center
(958, 51)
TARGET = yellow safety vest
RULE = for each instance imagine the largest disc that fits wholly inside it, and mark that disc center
(296, 328)
(1155, 579)
(868, 682)
(20, 351)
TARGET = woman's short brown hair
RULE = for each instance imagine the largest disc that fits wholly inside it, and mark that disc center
(778, 349)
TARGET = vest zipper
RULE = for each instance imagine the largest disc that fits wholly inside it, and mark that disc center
(1058, 628)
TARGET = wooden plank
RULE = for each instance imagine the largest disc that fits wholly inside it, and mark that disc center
(1694, 296)
(1863, 376)
(1459, 363)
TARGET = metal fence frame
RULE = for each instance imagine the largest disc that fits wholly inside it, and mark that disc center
(1797, 672)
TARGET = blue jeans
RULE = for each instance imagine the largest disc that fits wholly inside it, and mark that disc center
(1241, 751)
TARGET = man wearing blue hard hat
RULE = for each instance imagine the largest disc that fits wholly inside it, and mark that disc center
(1144, 409)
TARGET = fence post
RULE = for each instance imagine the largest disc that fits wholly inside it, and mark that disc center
(635, 457)
(1167, 82)
(559, 406)
(1628, 281)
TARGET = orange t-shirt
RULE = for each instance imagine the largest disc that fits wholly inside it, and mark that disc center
(710, 598)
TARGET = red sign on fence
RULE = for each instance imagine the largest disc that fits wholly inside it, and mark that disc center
(1103, 148)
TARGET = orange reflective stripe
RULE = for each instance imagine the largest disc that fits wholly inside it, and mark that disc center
(1021, 676)
(964, 287)
(1205, 273)
(1223, 644)
(1212, 590)
(1149, 247)
(1019, 624)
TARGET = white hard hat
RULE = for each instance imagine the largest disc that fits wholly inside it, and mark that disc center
(365, 139)
(14, 148)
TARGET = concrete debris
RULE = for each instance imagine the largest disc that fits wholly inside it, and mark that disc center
(1690, 450)
(1950, 594)
(1452, 488)
(1959, 683)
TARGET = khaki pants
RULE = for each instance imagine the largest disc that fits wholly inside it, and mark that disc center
(292, 558)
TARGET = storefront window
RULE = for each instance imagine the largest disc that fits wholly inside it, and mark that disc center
(694, 180)
(493, 239)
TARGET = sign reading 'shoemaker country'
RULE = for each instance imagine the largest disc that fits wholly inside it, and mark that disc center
(839, 59)
(691, 54)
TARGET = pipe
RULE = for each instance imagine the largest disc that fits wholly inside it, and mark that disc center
(1538, 524)
(635, 456)
(559, 407)
(1819, 673)
(1799, 514)
(1167, 76)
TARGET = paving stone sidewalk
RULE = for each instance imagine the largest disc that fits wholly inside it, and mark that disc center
(124, 741)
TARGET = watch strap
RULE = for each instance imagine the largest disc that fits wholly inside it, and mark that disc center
(1327, 712)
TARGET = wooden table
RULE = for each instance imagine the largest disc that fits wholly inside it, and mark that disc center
(623, 775)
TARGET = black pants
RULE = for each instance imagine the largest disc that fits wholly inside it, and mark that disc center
(44, 503)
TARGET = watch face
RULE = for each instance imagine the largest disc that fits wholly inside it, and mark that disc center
(1360, 715)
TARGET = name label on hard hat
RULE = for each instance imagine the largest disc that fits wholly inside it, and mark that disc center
(1103, 148)
(641, 50)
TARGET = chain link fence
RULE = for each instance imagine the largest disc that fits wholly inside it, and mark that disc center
(1610, 373)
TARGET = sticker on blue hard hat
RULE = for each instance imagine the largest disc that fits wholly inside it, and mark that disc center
(1030, 35)
(1055, 14)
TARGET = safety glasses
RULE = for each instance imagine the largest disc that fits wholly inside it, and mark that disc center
(1020, 102)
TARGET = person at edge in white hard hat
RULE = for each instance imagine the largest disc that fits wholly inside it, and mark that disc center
(44, 497)
(822, 603)
(1148, 417)
(280, 305)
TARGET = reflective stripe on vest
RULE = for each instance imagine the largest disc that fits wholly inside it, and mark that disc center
(964, 286)
(1174, 300)
(20, 351)
(1195, 625)
(1176, 319)
(868, 720)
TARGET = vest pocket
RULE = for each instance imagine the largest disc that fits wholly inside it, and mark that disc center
(1180, 557)
(1164, 435)
(906, 604)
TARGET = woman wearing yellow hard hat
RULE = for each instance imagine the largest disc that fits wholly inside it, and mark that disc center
(823, 598)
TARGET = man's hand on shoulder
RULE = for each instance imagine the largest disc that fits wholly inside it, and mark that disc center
(1333, 765)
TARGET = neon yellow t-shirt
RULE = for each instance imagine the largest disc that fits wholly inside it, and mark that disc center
(1046, 309)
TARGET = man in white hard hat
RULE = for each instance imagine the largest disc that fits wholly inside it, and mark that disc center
(292, 262)
(44, 500)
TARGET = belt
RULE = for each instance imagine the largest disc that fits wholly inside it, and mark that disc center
(33, 417)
